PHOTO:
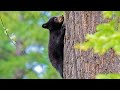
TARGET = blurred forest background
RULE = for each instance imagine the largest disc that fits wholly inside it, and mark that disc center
(24, 44)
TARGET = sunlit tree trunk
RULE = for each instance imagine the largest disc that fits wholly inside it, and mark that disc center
(85, 64)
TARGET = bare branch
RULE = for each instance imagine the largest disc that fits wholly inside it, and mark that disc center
(5, 30)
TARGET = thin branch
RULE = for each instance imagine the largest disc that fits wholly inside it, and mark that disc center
(6, 31)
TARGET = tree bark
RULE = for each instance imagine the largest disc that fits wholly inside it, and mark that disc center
(85, 64)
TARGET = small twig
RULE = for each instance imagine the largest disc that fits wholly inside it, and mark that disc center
(5, 30)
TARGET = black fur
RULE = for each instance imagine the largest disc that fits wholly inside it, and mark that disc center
(56, 41)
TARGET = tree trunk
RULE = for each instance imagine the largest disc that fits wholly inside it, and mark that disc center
(85, 64)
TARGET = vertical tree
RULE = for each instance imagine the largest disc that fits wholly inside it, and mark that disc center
(85, 64)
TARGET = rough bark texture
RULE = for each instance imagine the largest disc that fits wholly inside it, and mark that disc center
(85, 64)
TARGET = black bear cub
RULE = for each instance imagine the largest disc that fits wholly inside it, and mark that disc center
(56, 41)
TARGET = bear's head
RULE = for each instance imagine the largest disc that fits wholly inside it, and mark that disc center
(54, 23)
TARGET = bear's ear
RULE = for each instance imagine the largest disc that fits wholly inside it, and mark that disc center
(45, 25)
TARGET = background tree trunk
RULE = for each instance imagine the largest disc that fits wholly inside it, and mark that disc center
(85, 64)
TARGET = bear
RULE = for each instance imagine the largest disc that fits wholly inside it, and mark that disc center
(56, 41)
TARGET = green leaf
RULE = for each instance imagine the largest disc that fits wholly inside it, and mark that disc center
(107, 14)
(108, 76)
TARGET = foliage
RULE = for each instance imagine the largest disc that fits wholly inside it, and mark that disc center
(108, 76)
(25, 27)
(106, 37)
